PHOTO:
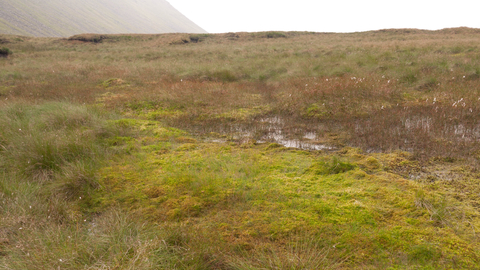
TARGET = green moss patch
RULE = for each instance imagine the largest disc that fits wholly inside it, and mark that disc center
(250, 194)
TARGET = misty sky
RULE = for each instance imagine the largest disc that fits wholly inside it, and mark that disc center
(219, 16)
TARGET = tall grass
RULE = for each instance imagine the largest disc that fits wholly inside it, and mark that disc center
(48, 158)
(39, 141)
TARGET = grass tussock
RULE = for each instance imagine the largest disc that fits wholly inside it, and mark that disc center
(95, 38)
(272, 150)
(41, 140)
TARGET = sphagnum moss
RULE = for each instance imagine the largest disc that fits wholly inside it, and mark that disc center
(254, 196)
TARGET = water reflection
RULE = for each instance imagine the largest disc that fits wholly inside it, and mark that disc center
(274, 130)
(305, 143)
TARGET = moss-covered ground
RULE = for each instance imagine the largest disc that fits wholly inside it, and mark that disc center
(252, 196)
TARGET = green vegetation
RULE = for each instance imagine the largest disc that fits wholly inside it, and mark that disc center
(94, 38)
(4, 52)
(275, 35)
(239, 151)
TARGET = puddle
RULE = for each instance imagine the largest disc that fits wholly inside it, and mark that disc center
(310, 136)
(274, 130)
(279, 138)
(426, 125)
(440, 135)
(276, 120)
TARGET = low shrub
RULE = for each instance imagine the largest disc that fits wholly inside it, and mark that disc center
(180, 41)
(198, 38)
(275, 35)
(94, 38)
(5, 52)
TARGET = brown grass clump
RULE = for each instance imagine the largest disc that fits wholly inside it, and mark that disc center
(95, 38)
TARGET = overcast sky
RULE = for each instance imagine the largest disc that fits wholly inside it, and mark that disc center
(219, 16)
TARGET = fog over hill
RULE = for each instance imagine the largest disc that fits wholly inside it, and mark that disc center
(62, 18)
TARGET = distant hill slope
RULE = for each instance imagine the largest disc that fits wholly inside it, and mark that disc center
(62, 18)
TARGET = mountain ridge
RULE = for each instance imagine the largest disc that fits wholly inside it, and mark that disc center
(63, 18)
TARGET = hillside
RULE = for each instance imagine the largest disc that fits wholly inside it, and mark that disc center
(61, 18)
